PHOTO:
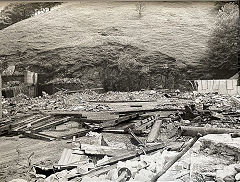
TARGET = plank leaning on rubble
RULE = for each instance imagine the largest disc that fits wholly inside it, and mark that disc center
(111, 163)
(176, 158)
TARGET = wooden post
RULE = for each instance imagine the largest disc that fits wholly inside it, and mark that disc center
(0, 95)
(153, 135)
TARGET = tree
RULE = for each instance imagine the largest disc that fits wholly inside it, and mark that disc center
(140, 7)
(16, 12)
(223, 45)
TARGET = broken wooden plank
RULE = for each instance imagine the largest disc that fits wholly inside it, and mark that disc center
(62, 113)
(120, 131)
(39, 124)
(145, 126)
(39, 136)
(99, 171)
(193, 131)
(52, 124)
(95, 172)
(118, 121)
(102, 150)
(22, 122)
(31, 122)
(140, 143)
(130, 155)
(149, 110)
(71, 158)
(153, 135)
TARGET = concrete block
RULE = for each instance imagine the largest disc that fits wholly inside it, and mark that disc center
(144, 175)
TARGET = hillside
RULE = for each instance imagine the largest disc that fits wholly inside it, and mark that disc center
(76, 38)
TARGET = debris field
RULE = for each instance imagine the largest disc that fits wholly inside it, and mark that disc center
(120, 136)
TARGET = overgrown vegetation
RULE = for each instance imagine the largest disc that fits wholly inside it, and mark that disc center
(16, 12)
(223, 45)
(147, 70)
(126, 74)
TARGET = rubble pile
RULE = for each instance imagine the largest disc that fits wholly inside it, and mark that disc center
(137, 136)
(79, 101)
(128, 96)
(229, 173)
(58, 101)
(215, 101)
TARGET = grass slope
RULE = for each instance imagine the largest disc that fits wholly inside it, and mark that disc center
(81, 34)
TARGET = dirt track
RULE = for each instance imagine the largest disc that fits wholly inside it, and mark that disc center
(45, 153)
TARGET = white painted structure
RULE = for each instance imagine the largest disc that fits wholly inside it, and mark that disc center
(226, 87)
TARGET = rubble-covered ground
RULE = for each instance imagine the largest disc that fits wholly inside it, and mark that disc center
(214, 157)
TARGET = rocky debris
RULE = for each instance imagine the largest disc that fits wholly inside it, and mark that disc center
(227, 174)
(142, 169)
(84, 101)
(222, 144)
(58, 101)
(128, 96)
(214, 101)
(106, 160)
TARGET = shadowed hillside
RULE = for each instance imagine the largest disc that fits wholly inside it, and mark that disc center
(76, 38)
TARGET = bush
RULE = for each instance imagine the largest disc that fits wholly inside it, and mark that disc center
(223, 45)
(126, 74)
